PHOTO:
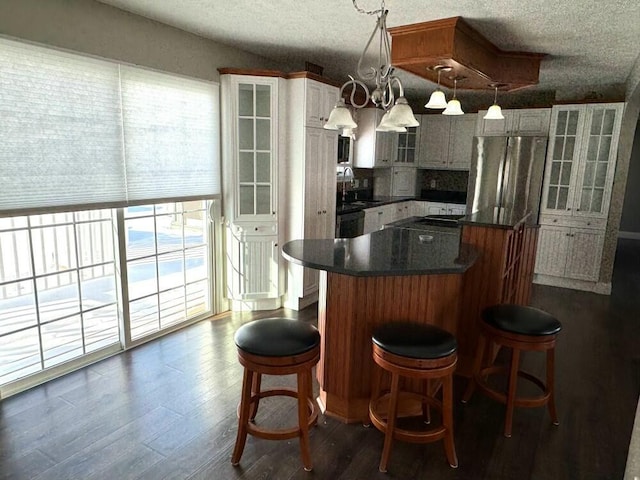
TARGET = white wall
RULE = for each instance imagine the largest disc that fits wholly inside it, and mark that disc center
(97, 29)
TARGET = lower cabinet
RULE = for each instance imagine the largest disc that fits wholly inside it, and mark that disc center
(375, 218)
(438, 208)
(569, 252)
(253, 259)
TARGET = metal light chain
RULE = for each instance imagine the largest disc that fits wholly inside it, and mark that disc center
(369, 12)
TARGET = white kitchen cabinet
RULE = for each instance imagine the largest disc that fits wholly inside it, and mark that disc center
(403, 181)
(377, 217)
(310, 188)
(581, 157)
(372, 149)
(525, 122)
(406, 147)
(320, 98)
(446, 142)
(572, 253)
(419, 208)
(441, 208)
(402, 210)
(251, 144)
(254, 260)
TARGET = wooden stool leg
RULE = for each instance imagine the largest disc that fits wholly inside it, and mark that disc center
(309, 393)
(447, 420)
(375, 390)
(477, 366)
(243, 419)
(551, 386)
(426, 408)
(511, 395)
(255, 390)
(392, 411)
(303, 419)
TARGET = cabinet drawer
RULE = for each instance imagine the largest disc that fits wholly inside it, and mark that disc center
(574, 222)
(252, 230)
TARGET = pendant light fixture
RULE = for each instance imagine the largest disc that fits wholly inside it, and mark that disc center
(454, 107)
(383, 96)
(437, 100)
(494, 112)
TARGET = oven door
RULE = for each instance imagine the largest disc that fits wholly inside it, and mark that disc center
(349, 225)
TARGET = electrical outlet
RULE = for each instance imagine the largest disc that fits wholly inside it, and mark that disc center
(433, 184)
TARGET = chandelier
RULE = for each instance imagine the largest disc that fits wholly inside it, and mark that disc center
(398, 114)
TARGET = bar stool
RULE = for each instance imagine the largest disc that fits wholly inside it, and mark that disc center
(520, 328)
(416, 351)
(277, 346)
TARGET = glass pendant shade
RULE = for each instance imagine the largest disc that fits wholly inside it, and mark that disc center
(386, 125)
(494, 113)
(401, 114)
(347, 132)
(437, 100)
(340, 118)
(453, 108)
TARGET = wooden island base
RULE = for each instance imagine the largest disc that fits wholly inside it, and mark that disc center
(350, 307)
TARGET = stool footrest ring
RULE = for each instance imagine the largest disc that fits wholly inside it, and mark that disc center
(379, 418)
(482, 383)
(282, 433)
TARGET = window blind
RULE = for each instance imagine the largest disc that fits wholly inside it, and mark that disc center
(170, 136)
(82, 132)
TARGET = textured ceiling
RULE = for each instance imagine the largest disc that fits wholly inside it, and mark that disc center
(588, 42)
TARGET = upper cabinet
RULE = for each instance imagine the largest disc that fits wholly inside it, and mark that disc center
(407, 147)
(371, 148)
(525, 122)
(250, 147)
(581, 159)
(446, 142)
(320, 100)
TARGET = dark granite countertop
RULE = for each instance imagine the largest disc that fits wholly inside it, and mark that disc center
(391, 251)
(377, 201)
(499, 219)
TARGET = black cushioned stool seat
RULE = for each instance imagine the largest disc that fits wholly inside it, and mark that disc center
(520, 328)
(276, 346)
(413, 351)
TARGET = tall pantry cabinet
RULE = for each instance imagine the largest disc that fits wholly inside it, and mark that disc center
(581, 161)
(252, 107)
(310, 176)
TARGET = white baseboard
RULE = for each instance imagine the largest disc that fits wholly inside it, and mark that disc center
(629, 235)
(255, 305)
(595, 287)
(298, 303)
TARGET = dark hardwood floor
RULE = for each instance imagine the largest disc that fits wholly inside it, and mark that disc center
(167, 409)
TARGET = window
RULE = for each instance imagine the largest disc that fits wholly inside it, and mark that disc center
(106, 181)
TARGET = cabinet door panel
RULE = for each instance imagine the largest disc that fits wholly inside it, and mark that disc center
(403, 182)
(461, 142)
(595, 176)
(434, 141)
(553, 244)
(531, 122)
(314, 104)
(563, 157)
(584, 255)
(489, 128)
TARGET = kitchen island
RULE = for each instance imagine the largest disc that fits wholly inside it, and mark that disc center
(411, 273)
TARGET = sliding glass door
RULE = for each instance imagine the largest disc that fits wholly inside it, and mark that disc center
(79, 285)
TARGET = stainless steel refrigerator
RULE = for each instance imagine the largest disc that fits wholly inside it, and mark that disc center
(506, 175)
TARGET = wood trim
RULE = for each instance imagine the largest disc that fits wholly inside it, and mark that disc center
(454, 43)
(252, 72)
(351, 307)
(313, 76)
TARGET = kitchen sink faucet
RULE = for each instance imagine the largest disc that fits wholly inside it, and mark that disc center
(344, 184)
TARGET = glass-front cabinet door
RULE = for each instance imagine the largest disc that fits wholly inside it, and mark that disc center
(562, 158)
(255, 176)
(407, 145)
(599, 153)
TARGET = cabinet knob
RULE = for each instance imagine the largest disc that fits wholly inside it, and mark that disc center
(319, 212)
(555, 220)
(256, 229)
(577, 209)
(568, 209)
(567, 234)
(324, 211)
(588, 223)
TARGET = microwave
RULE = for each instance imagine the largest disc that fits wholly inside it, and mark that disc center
(344, 149)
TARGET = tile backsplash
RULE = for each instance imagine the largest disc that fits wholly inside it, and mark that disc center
(449, 180)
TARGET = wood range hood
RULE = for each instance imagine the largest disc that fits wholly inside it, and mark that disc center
(419, 47)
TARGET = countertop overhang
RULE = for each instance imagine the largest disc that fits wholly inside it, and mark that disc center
(392, 251)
